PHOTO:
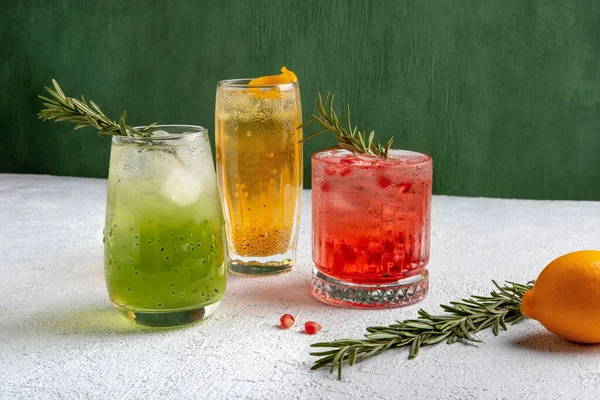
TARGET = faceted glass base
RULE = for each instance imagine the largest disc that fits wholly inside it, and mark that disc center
(168, 318)
(344, 294)
(260, 268)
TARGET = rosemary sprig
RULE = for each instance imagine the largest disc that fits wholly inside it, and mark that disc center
(63, 108)
(461, 319)
(349, 138)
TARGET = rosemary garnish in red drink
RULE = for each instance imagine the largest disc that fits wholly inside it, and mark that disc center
(349, 138)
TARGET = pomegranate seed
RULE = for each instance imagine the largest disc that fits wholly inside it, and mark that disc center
(404, 187)
(312, 327)
(330, 170)
(348, 252)
(286, 321)
(346, 171)
(388, 246)
(350, 160)
(383, 182)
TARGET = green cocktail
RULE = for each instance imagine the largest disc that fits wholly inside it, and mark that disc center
(163, 241)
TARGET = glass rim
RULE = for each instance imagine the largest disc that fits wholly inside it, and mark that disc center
(243, 83)
(191, 131)
(426, 160)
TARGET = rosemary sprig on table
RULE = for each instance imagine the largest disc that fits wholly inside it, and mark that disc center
(63, 108)
(351, 138)
(462, 318)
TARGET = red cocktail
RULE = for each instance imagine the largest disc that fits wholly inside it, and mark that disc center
(371, 223)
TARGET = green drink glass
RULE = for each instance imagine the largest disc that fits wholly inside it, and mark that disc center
(163, 243)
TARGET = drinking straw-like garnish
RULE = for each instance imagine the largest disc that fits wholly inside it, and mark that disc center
(462, 318)
(63, 108)
(349, 138)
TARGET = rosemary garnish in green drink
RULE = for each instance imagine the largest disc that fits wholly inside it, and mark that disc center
(462, 318)
(349, 138)
(63, 108)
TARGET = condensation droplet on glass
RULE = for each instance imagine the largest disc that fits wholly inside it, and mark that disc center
(271, 155)
(275, 171)
(237, 194)
(243, 186)
(245, 194)
(272, 181)
(249, 133)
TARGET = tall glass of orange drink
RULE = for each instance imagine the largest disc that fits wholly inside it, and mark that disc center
(259, 166)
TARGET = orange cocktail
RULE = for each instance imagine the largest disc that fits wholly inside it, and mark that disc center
(259, 164)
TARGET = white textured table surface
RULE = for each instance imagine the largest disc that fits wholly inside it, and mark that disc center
(60, 337)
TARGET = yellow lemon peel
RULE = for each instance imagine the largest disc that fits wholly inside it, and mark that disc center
(566, 297)
(285, 77)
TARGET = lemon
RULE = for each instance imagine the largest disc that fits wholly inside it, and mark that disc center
(566, 297)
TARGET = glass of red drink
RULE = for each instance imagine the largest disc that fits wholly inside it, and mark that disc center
(371, 223)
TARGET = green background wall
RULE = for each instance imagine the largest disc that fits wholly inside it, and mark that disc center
(504, 94)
